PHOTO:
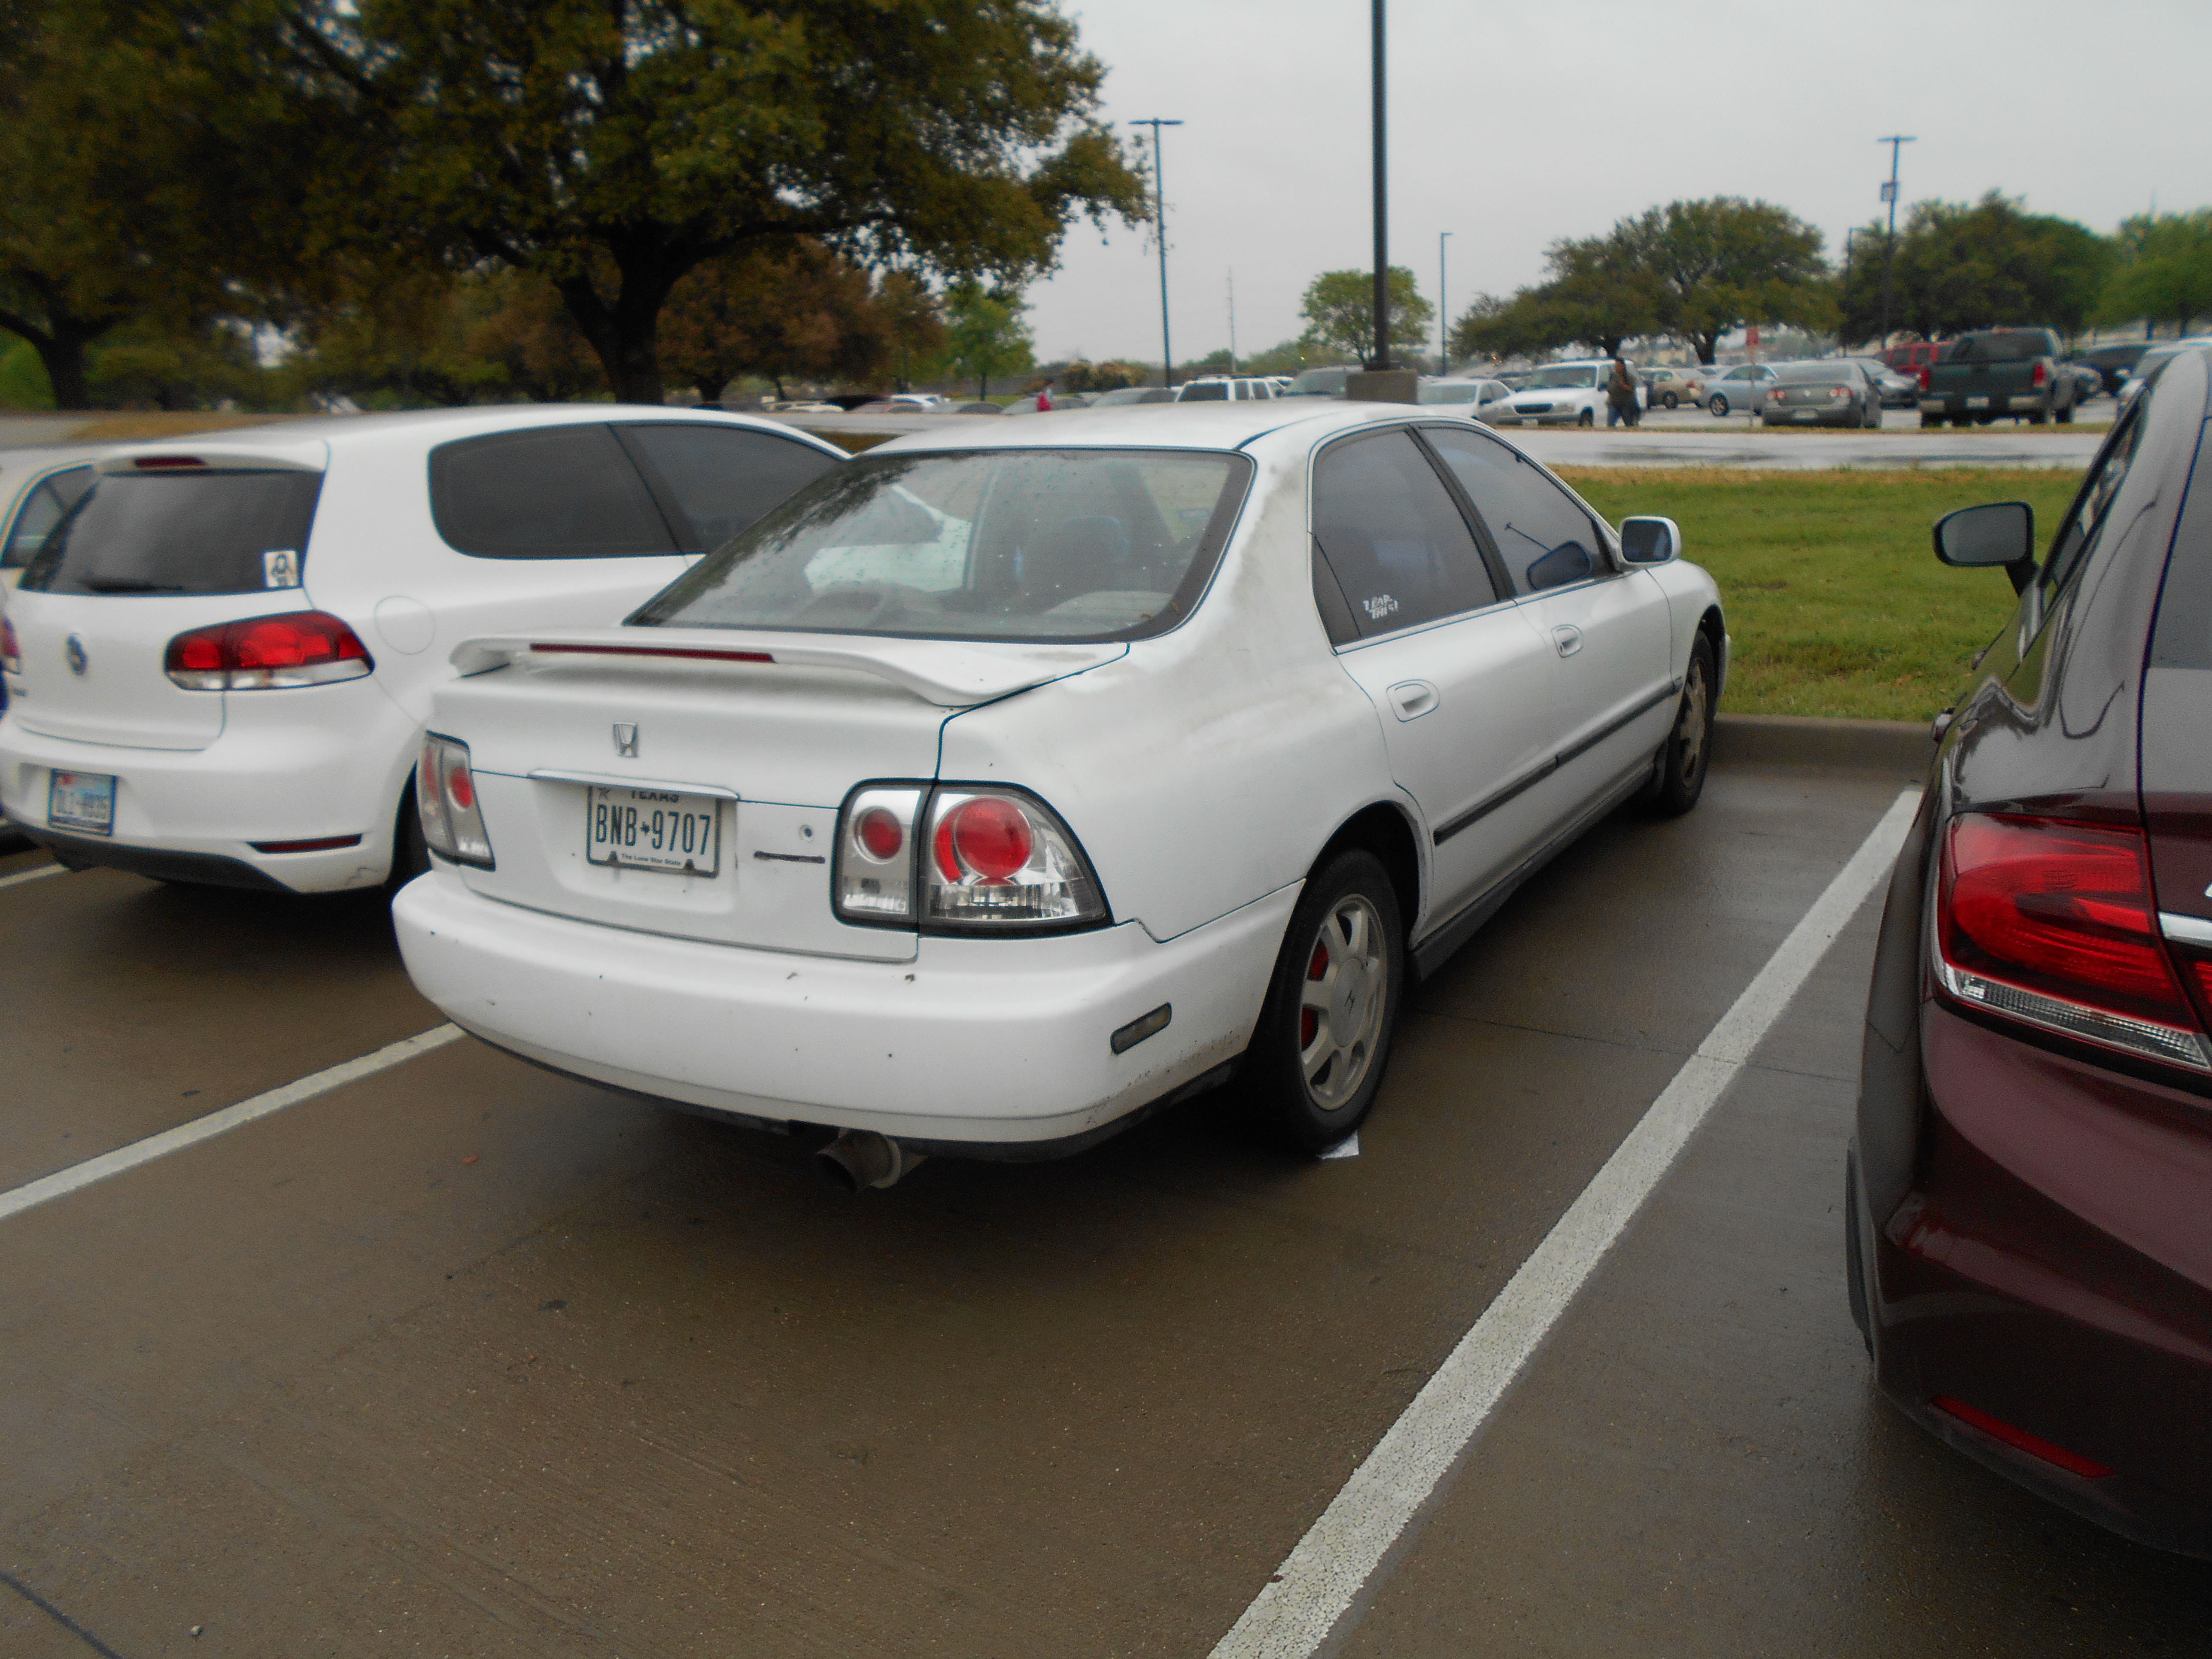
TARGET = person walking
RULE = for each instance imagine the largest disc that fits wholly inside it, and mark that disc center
(1620, 394)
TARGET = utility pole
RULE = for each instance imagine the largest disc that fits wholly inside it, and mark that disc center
(1232, 320)
(1896, 142)
(1382, 205)
(1443, 310)
(1160, 229)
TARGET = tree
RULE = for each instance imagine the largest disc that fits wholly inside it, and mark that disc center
(1723, 262)
(917, 327)
(1596, 297)
(987, 336)
(2163, 269)
(797, 311)
(610, 147)
(1339, 312)
(1987, 264)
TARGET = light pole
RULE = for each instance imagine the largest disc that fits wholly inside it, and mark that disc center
(1896, 142)
(1381, 206)
(1160, 229)
(1443, 310)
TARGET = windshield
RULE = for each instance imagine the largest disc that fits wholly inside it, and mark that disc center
(1000, 544)
(1546, 379)
(2015, 348)
(1464, 392)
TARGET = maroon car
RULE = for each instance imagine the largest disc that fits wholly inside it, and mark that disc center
(2029, 1193)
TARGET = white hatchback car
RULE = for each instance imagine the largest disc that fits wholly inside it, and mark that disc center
(220, 659)
(1011, 782)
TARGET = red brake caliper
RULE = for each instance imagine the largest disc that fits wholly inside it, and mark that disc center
(1309, 1019)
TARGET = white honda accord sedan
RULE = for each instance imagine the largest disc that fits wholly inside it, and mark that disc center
(220, 657)
(1007, 784)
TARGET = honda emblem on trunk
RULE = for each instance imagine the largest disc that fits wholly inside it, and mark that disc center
(73, 652)
(625, 737)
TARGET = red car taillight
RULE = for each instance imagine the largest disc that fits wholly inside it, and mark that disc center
(11, 655)
(445, 799)
(268, 653)
(1926, 379)
(2039, 376)
(961, 859)
(2052, 923)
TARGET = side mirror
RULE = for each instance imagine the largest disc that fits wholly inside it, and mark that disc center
(2001, 534)
(1650, 541)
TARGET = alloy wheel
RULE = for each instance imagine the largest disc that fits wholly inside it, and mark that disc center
(1694, 724)
(1341, 1001)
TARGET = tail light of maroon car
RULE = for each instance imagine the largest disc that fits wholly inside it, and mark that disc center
(960, 859)
(445, 799)
(268, 653)
(2050, 922)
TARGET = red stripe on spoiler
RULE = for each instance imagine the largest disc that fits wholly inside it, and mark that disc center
(655, 651)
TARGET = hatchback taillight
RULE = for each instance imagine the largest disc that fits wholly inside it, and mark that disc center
(268, 653)
(445, 798)
(11, 655)
(2050, 922)
(960, 858)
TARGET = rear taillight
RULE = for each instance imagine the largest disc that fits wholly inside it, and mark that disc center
(268, 653)
(1839, 393)
(2052, 923)
(11, 655)
(2039, 376)
(445, 798)
(958, 858)
(1926, 379)
(1775, 396)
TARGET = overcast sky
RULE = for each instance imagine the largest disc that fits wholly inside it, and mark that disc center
(1516, 124)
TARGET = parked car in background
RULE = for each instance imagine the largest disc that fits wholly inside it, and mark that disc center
(1671, 387)
(1897, 391)
(1014, 783)
(2112, 362)
(1223, 388)
(1473, 398)
(37, 487)
(220, 661)
(1991, 373)
(2148, 366)
(1122, 397)
(2026, 1193)
(1321, 382)
(1831, 391)
(2088, 381)
(1738, 390)
(1559, 394)
(1910, 358)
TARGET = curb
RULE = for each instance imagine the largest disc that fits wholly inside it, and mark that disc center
(1899, 746)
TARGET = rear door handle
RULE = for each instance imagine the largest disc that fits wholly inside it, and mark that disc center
(1411, 699)
(1568, 638)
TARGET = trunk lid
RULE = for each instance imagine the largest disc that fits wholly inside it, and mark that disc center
(770, 748)
(93, 667)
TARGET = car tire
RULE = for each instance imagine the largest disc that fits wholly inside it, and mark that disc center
(410, 853)
(1670, 400)
(1717, 407)
(1927, 421)
(1588, 417)
(1688, 753)
(1305, 1086)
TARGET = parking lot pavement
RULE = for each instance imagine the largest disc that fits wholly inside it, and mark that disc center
(462, 1357)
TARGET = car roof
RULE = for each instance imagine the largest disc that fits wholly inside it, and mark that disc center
(306, 435)
(1213, 426)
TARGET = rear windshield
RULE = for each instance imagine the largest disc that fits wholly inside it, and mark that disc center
(181, 532)
(1816, 374)
(1001, 544)
(2018, 348)
(1449, 394)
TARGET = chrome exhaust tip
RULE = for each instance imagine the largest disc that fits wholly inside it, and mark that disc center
(861, 1158)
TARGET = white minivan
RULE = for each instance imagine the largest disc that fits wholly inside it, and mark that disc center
(220, 658)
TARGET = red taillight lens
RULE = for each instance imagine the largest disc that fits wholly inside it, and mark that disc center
(1839, 391)
(11, 655)
(880, 834)
(2052, 923)
(2039, 376)
(461, 788)
(1926, 379)
(304, 648)
(987, 836)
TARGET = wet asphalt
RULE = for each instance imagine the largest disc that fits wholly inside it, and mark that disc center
(463, 1358)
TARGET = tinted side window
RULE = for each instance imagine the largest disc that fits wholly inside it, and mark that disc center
(1545, 538)
(561, 492)
(180, 532)
(1212, 389)
(42, 510)
(2085, 520)
(719, 479)
(1392, 536)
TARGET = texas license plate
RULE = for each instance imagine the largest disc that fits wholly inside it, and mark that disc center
(1809, 414)
(653, 829)
(1977, 403)
(83, 801)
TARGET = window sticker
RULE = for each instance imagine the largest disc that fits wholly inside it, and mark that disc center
(280, 568)
(1378, 607)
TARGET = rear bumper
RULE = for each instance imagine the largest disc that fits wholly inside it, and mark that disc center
(2051, 1266)
(331, 764)
(987, 1046)
(2025, 403)
(1849, 416)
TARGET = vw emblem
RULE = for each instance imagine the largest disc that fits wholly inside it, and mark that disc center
(73, 652)
(625, 736)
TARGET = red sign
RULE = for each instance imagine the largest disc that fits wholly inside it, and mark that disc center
(1751, 335)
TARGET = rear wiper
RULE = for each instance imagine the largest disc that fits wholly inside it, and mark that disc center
(128, 585)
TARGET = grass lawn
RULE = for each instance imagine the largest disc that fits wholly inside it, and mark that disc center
(1834, 599)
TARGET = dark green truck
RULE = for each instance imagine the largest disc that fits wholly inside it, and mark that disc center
(1998, 372)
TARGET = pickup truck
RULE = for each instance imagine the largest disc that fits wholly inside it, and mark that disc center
(1999, 371)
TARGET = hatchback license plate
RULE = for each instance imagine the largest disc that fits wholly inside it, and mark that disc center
(653, 829)
(81, 800)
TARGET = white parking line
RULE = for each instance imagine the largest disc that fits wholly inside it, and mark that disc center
(33, 875)
(79, 1176)
(1302, 1607)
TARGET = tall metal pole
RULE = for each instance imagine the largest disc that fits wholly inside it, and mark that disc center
(1160, 229)
(1382, 359)
(1443, 310)
(1232, 320)
(1896, 143)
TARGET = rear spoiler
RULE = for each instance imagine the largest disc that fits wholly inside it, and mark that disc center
(953, 674)
(185, 456)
